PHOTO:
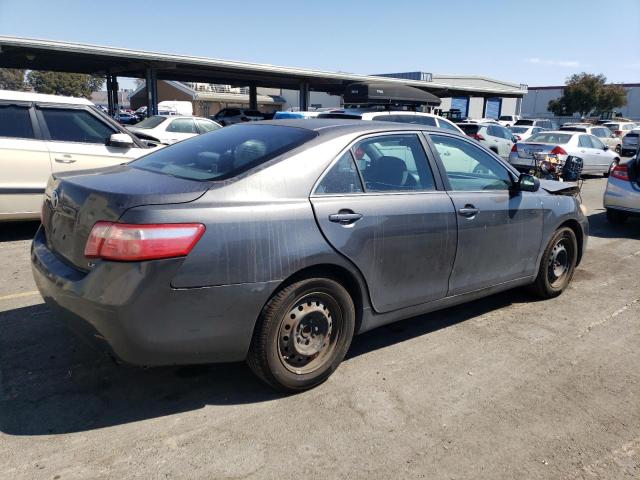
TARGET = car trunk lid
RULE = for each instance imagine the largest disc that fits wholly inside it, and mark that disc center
(526, 150)
(74, 202)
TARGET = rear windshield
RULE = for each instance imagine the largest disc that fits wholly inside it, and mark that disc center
(574, 129)
(350, 116)
(555, 138)
(524, 122)
(469, 129)
(612, 126)
(225, 152)
(519, 129)
(253, 113)
(505, 117)
(151, 122)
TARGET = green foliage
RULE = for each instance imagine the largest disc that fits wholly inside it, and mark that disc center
(70, 84)
(585, 93)
(11, 79)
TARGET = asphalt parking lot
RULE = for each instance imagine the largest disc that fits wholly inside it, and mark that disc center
(506, 387)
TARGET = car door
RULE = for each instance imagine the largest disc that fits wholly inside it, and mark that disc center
(590, 159)
(389, 216)
(507, 142)
(78, 139)
(24, 162)
(604, 156)
(179, 129)
(499, 230)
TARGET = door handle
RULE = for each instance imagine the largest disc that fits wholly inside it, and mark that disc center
(468, 211)
(65, 159)
(345, 217)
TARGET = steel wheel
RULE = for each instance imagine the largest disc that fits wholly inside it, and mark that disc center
(309, 333)
(559, 262)
(557, 265)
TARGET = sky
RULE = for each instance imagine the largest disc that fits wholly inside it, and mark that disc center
(537, 42)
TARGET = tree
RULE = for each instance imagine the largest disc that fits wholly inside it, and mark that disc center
(58, 83)
(11, 79)
(585, 92)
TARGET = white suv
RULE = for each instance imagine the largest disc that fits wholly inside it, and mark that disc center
(41, 134)
(396, 116)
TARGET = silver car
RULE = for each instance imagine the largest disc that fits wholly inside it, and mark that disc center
(595, 155)
(630, 142)
(276, 242)
(622, 196)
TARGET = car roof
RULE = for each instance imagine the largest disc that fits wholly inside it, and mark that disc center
(182, 116)
(42, 97)
(334, 127)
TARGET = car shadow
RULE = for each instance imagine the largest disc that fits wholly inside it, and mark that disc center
(13, 231)
(52, 383)
(600, 227)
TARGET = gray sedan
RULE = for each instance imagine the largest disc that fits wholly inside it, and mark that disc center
(622, 196)
(276, 242)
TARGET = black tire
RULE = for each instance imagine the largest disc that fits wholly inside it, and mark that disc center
(618, 149)
(557, 265)
(294, 352)
(616, 216)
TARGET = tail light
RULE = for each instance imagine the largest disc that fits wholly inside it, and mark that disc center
(514, 149)
(618, 133)
(558, 151)
(477, 136)
(129, 243)
(621, 172)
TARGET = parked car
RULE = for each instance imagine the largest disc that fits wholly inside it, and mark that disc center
(538, 122)
(602, 132)
(620, 129)
(396, 116)
(630, 143)
(508, 120)
(523, 132)
(124, 118)
(231, 116)
(168, 129)
(276, 242)
(622, 195)
(595, 155)
(495, 137)
(41, 134)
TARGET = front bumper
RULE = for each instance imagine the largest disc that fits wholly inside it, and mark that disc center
(131, 310)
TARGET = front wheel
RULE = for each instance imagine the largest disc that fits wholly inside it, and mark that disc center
(302, 335)
(558, 264)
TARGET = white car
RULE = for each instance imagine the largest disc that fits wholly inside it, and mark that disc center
(41, 134)
(495, 137)
(522, 132)
(620, 129)
(600, 131)
(168, 129)
(596, 156)
(396, 116)
(508, 120)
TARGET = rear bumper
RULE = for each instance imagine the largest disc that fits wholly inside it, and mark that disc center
(622, 195)
(132, 311)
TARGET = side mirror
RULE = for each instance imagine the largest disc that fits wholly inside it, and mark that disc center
(121, 140)
(605, 148)
(528, 183)
(514, 139)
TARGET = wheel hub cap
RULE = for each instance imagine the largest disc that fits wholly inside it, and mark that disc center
(559, 260)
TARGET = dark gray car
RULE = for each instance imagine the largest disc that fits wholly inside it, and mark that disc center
(276, 242)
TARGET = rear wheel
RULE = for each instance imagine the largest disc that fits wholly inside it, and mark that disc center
(558, 264)
(613, 165)
(618, 149)
(616, 216)
(303, 334)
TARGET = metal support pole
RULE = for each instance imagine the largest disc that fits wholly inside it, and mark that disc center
(116, 100)
(304, 96)
(110, 97)
(253, 97)
(148, 80)
(154, 92)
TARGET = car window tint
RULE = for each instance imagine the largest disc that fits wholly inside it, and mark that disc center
(341, 178)
(393, 163)
(447, 125)
(15, 122)
(224, 153)
(468, 167)
(584, 141)
(75, 125)
(206, 126)
(182, 125)
(596, 143)
(151, 122)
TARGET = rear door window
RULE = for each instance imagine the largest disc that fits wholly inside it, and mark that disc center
(15, 122)
(226, 152)
(76, 125)
(447, 125)
(341, 178)
(206, 126)
(584, 141)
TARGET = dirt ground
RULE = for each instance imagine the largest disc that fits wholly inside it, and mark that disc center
(501, 388)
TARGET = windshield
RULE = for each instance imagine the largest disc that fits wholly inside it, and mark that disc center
(225, 152)
(151, 122)
(524, 122)
(519, 129)
(574, 129)
(555, 138)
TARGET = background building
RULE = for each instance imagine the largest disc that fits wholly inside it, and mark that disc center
(535, 102)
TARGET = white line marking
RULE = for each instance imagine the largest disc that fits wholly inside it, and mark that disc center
(20, 295)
